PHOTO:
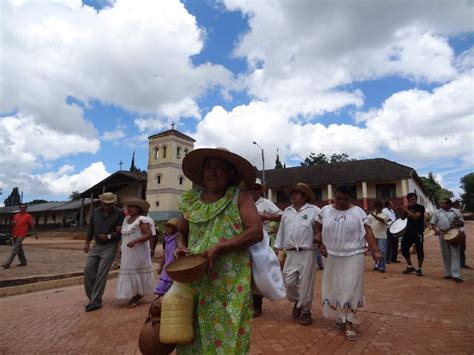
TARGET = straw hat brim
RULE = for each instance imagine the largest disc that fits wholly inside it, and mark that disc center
(193, 165)
(144, 205)
(108, 197)
(173, 222)
(303, 189)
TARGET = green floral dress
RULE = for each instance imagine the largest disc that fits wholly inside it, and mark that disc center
(222, 298)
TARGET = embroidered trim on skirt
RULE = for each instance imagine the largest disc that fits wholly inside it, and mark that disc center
(343, 286)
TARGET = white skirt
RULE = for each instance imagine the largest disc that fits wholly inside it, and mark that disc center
(136, 274)
(343, 286)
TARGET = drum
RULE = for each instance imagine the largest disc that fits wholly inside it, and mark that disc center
(397, 228)
(452, 236)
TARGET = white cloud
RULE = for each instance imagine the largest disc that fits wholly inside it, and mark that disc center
(298, 51)
(412, 126)
(114, 136)
(64, 181)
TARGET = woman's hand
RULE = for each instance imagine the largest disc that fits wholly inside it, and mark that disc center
(179, 252)
(211, 255)
(376, 254)
(322, 250)
(131, 244)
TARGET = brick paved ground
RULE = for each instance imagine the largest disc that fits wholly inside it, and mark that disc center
(404, 314)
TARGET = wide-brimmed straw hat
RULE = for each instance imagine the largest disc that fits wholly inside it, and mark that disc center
(143, 204)
(193, 164)
(108, 197)
(172, 222)
(303, 188)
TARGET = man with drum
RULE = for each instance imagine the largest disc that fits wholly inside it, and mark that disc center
(415, 214)
(392, 241)
(448, 223)
(457, 206)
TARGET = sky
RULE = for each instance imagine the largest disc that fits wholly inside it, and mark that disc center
(84, 83)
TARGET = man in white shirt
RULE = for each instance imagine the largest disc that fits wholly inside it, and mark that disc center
(444, 219)
(457, 206)
(296, 237)
(392, 242)
(378, 221)
(269, 212)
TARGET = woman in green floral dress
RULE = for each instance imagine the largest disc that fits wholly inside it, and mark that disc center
(221, 222)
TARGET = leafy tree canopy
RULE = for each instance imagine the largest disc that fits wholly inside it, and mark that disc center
(14, 198)
(434, 189)
(321, 158)
(467, 184)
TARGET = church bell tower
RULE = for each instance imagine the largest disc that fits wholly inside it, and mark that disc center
(166, 181)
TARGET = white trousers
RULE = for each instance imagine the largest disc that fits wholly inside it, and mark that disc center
(451, 258)
(298, 275)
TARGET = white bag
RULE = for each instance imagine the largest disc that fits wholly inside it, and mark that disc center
(266, 270)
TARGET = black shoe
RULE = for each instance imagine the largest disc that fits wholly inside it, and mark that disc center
(6, 266)
(21, 264)
(296, 312)
(257, 313)
(447, 277)
(93, 307)
(388, 262)
(419, 272)
(409, 269)
(375, 268)
(321, 267)
(458, 280)
(465, 267)
(382, 270)
(306, 318)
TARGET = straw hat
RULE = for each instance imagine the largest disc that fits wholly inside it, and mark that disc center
(172, 222)
(303, 188)
(259, 182)
(193, 164)
(144, 205)
(108, 197)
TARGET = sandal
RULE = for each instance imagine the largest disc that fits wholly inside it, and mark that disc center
(351, 335)
(340, 324)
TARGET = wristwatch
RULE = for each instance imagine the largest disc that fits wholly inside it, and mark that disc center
(109, 236)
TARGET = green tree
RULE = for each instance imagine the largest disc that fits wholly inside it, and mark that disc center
(37, 201)
(75, 196)
(321, 158)
(278, 163)
(467, 184)
(434, 189)
(14, 198)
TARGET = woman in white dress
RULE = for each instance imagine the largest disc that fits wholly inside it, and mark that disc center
(136, 276)
(342, 230)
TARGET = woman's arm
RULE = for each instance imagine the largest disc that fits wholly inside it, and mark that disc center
(253, 230)
(318, 239)
(182, 239)
(146, 234)
(373, 247)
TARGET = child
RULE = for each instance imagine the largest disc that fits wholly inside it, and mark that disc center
(169, 245)
(378, 222)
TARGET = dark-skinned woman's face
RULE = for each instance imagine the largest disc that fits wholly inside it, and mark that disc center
(342, 201)
(218, 174)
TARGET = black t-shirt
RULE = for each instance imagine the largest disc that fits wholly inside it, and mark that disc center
(416, 226)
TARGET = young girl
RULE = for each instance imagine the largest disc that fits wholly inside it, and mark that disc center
(169, 245)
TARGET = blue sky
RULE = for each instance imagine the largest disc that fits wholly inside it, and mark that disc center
(101, 76)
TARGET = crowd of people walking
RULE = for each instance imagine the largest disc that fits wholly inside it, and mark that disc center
(225, 215)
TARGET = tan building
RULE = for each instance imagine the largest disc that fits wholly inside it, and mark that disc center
(166, 181)
(369, 180)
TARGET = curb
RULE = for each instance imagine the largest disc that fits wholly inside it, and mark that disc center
(47, 285)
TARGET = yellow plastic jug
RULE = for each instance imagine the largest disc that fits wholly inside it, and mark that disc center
(176, 325)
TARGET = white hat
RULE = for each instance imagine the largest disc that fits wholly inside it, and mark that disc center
(454, 199)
